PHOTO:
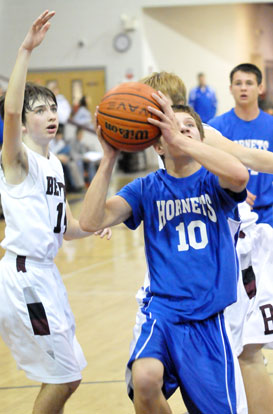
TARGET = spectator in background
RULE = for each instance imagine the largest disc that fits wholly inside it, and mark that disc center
(83, 116)
(1, 131)
(64, 108)
(1, 120)
(203, 99)
(87, 160)
(73, 178)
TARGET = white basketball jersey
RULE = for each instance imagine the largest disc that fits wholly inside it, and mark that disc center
(35, 209)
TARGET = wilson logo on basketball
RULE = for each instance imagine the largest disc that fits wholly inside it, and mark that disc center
(128, 133)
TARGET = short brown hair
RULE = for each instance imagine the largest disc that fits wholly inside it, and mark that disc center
(169, 84)
(33, 92)
(247, 68)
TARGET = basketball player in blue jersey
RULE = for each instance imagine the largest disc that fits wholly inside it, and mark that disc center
(36, 321)
(250, 319)
(180, 339)
(251, 127)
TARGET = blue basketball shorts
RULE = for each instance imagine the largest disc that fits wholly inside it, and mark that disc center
(197, 358)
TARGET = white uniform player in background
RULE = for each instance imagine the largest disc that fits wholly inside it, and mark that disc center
(36, 321)
(251, 317)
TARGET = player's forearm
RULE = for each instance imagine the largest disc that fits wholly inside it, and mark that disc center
(224, 165)
(257, 160)
(15, 92)
(74, 231)
(92, 217)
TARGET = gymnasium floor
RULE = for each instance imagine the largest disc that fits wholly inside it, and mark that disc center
(101, 278)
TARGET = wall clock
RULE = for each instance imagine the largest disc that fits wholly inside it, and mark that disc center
(121, 42)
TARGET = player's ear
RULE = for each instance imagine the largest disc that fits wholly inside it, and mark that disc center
(24, 129)
(261, 89)
(159, 147)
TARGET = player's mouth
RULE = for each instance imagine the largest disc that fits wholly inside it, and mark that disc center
(52, 129)
(243, 96)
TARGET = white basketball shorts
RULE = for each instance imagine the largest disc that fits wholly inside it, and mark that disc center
(36, 321)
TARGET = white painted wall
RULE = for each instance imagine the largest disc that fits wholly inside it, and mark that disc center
(185, 40)
(170, 3)
(211, 39)
(94, 21)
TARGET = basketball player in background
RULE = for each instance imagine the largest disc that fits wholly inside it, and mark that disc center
(36, 321)
(251, 127)
(250, 320)
(173, 336)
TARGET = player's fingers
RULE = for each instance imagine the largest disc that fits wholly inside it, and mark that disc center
(165, 104)
(49, 16)
(250, 201)
(158, 98)
(96, 116)
(98, 131)
(155, 122)
(157, 112)
(43, 19)
(104, 233)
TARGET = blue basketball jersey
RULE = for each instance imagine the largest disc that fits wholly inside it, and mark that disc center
(257, 133)
(189, 248)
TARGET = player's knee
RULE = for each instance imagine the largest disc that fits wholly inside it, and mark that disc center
(72, 386)
(147, 382)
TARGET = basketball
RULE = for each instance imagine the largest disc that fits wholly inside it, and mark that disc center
(123, 113)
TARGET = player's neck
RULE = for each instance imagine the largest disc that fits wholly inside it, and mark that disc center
(247, 112)
(182, 169)
(34, 146)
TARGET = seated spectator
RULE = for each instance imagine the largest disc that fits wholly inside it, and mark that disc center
(87, 161)
(82, 115)
(72, 174)
(1, 132)
(64, 108)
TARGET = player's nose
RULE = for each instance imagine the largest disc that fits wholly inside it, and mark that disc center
(52, 115)
(184, 129)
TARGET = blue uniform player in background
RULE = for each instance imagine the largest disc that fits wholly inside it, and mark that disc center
(203, 99)
(249, 126)
(180, 338)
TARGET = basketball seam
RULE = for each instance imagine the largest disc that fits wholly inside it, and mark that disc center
(125, 119)
(132, 143)
(131, 94)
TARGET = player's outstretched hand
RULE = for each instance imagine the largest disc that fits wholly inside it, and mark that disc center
(108, 150)
(167, 120)
(250, 199)
(37, 31)
(104, 232)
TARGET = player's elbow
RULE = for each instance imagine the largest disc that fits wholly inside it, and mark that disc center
(68, 236)
(88, 225)
(241, 177)
(12, 114)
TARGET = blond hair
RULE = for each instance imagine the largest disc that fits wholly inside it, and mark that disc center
(169, 84)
